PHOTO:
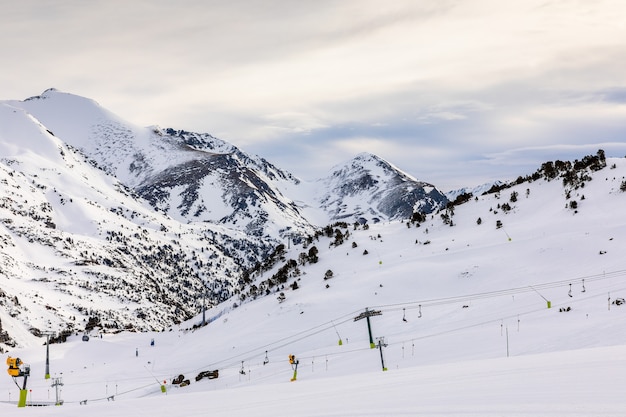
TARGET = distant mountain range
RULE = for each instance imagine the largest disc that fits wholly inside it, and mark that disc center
(197, 177)
(132, 225)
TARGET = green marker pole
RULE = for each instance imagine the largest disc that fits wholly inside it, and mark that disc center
(22, 402)
(24, 392)
(295, 371)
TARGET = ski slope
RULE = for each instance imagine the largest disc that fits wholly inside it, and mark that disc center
(463, 312)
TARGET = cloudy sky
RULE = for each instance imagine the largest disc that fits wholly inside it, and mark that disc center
(453, 92)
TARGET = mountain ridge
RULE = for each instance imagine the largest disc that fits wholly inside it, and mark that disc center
(146, 158)
(142, 219)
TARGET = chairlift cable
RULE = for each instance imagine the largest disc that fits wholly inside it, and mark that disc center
(497, 293)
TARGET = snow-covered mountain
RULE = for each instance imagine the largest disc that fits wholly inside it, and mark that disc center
(197, 177)
(372, 189)
(107, 256)
(191, 177)
(509, 303)
(144, 220)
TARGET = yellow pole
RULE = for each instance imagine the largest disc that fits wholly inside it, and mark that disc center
(22, 401)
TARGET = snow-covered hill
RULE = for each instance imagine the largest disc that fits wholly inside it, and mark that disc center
(510, 303)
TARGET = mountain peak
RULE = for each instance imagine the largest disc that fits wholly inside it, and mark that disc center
(374, 165)
(369, 187)
(367, 156)
(50, 90)
(48, 93)
(65, 99)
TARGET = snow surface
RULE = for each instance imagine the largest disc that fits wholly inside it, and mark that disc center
(85, 125)
(477, 339)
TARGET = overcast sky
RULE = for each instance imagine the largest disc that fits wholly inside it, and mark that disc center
(453, 92)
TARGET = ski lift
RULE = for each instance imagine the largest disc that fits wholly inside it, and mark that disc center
(419, 314)
(584, 289)
(570, 290)
(242, 371)
(404, 315)
(85, 338)
(266, 360)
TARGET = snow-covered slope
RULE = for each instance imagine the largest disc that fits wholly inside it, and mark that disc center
(462, 306)
(97, 251)
(130, 153)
